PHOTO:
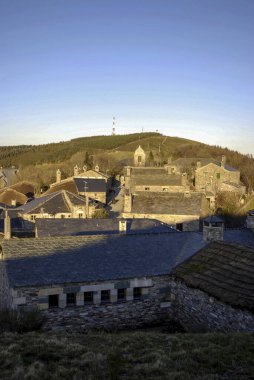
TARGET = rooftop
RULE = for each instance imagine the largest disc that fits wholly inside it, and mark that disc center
(47, 261)
(223, 270)
(78, 227)
(167, 203)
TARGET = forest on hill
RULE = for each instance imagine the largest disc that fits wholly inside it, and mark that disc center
(39, 163)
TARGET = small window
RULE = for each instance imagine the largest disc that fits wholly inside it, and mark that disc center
(105, 295)
(137, 293)
(218, 175)
(147, 188)
(121, 294)
(179, 226)
(88, 297)
(62, 216)
(70, 299)
(165, 189)
(53, 300)
(139, 158)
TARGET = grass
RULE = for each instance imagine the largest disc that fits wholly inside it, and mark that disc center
(132, 355)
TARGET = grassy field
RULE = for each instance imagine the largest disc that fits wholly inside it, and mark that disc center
(133, 356)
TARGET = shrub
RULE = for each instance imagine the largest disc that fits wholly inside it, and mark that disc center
(21, 321)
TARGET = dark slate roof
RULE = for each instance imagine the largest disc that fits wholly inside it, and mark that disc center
(223, 270)
(159, 180)
(242, 236)
(167, 203)
(149, 171)
(93, 185)
(75, 227)
(57, 260)
(52, 203)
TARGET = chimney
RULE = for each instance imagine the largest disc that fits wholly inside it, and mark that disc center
(223, 161)
(198, 164)
(87, 206)
(184, 179)
(97, 169)
(7, 226)
(76, 171)
(84, 168)
(122, 226)
(128, 171)
(250, 220)
(127, 202)
(14, 202)
(169, 159)
(58, 176)
(213, 228)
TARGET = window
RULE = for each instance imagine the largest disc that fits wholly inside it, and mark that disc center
(105, 295)
(121, 294)
(70, 299)
(53, 300)
(179, 226)
(165, 189)
(139, 158)
(137, 293)
(88, 297)
(147, 188)
(218, 175)
(62, 216)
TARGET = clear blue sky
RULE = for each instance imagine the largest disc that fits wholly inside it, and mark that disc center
(184, 67)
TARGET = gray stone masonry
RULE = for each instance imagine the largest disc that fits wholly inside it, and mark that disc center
(152, 307)
(198, 312)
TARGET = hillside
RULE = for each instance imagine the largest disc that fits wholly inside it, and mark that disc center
(132, 355)
(39, 163)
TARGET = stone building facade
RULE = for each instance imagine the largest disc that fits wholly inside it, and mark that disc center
(139, 157)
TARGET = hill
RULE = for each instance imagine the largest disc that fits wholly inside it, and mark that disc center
(39, 163)
(127, 355)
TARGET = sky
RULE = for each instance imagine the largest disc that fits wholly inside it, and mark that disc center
(182, 67)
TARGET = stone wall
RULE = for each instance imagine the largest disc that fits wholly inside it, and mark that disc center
(212, 176)
(199, 312)
(5, 296)
(189, 222)
(152, 307)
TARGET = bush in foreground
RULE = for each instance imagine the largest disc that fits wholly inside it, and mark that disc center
(21, 321)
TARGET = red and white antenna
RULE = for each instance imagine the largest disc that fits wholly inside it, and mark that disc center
(114, 126)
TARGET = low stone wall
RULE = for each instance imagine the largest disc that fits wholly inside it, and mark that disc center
(152, 307)
(196, 311)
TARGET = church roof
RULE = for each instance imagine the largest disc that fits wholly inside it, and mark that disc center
(139, 150)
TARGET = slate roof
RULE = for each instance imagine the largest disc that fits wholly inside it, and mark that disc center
(78, 227)
(136, 171)
(192, 162)
(157, 180)
(64, 185)
(24, 187)
(223, 270)
(57, 260)
(52, 203)
(166, 203)
(93, 185)
(9, 194)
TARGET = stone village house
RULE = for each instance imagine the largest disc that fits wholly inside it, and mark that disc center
(126, 281)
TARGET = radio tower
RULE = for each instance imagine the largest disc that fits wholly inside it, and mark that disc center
(114, 126)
